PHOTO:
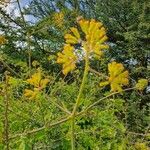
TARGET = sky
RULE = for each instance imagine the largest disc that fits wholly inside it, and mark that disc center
(12, 6)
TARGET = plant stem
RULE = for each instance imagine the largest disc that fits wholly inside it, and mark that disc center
(97, 102)
(41, 128)
(82, 85)
(29, 52)
(98, 73)
(6, 124)
(9, 68)
(86, 69)
(72, 133)
(60, 107)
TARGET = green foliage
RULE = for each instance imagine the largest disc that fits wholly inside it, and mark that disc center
(117, 121)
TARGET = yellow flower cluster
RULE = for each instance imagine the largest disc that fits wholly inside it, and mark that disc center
(67, 58)
(95, 35)
(92, 41)
(142, 84)
(118, 77)
(38, 83)
(58, 19)
(2, 40)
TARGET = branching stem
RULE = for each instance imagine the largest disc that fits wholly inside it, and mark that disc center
(67, 118)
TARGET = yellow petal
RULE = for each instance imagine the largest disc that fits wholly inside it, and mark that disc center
(75, 32)
(35, 79)
(104, 46)
(104, 83)
(84, 24)
(103, 39)
(69, 38)
(30, 94)
(92, 25)
(43, 83)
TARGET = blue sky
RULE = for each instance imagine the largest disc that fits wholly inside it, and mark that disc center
(14, 7)
(24, 2)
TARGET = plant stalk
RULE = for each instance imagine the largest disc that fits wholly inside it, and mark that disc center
(86, 69)
(6, 123)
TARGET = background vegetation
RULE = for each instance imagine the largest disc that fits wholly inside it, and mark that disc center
(119, 122)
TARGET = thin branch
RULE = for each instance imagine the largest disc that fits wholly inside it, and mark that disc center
(98, 73)
(21, 13)
(6, 123)
(137, 134)
(97, 102)
(60, 107)
(9, 68)
(42, 128)
(9, 18)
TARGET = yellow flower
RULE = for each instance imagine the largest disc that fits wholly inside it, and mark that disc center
(43, 83)
(92, 41)
(38, 83)
(95, 35)
(35, 79)
(30, 94)
(118, 77)
(2, 40)
(58, 19)
(142, 84)
(67, 58)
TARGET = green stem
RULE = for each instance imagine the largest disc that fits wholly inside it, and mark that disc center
(58, 105)
(41, 128)
(78, 101)
(9, 68)
(6, 123)
(72, 133)
(82, 84)
(88, 108)
(29, 52)
(98, 73)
